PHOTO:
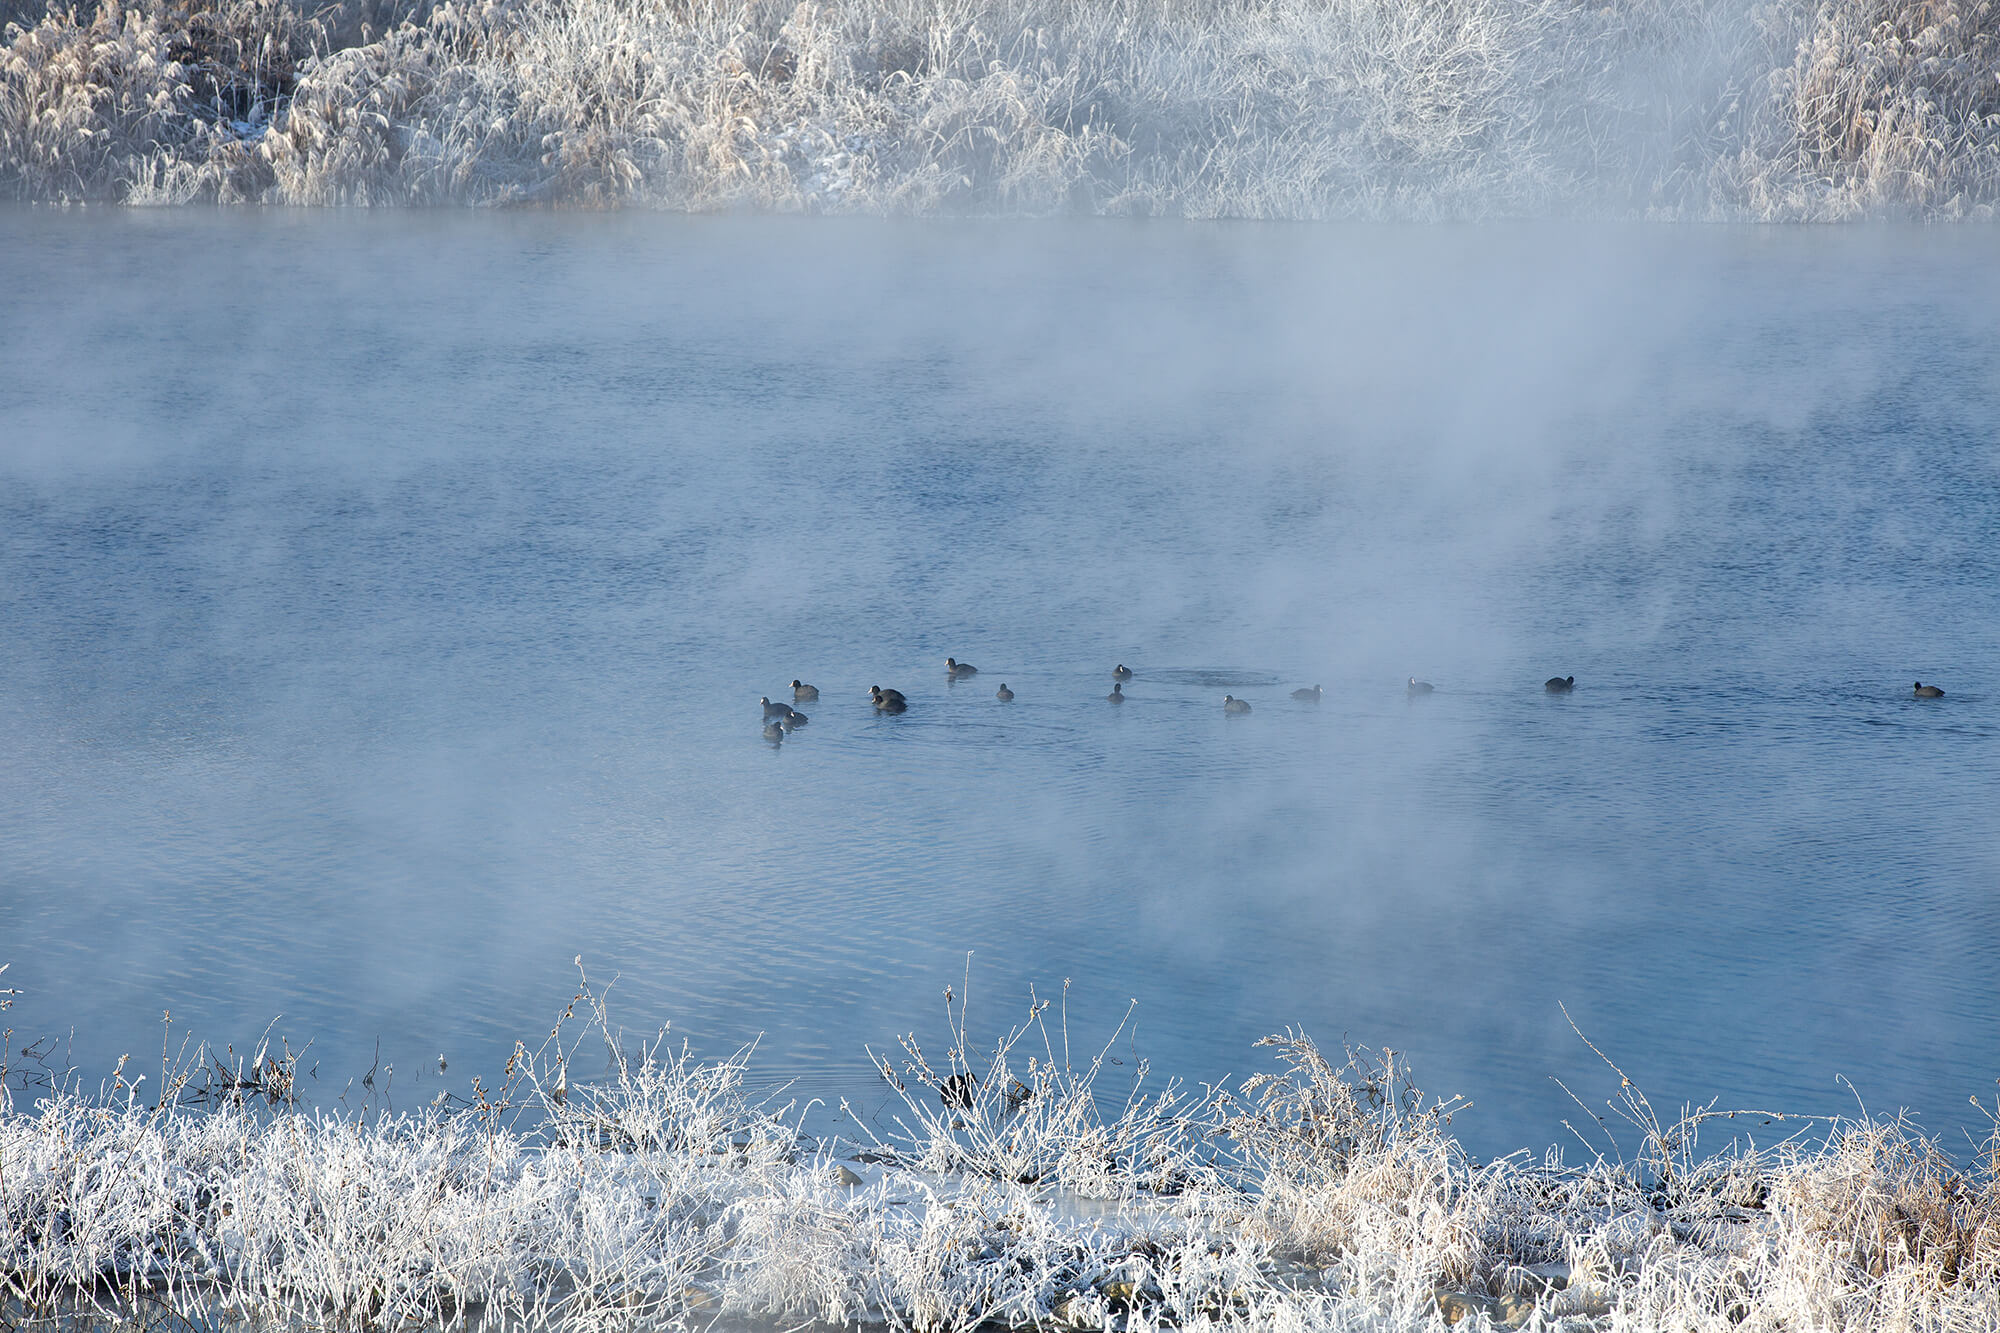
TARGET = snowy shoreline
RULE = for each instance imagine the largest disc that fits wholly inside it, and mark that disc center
(1323, 1195)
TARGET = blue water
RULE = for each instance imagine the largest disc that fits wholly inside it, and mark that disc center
(385, 601)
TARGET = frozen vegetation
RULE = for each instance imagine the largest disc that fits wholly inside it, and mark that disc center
(1299, 109)
(1324, 1194)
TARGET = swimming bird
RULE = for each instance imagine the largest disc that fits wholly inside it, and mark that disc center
(958, 1090)
(958, 670)
(1003, 694)
(774, 710)
(774, 731)
(1121, 672)
(1232, 704)
(888, 701)
(804, 693)
(1421, 686)
(1559, 684)
(1928, 691)
(1117, 695)
(1310, 696)
(792, 721)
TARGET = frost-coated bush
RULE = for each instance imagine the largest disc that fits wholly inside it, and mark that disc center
(1762, 109)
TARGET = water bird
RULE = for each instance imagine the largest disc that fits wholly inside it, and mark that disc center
(774, 731)
(1232, 704)
(1003, 694)
(1121, 672)
(958, 1090)
(888, 701)
(958, 670)
(804, 693)
(1559, 684)
(1421, 686)
(1928, 691)
(774, 710)
(1310, 696)
(793, 721)
(1117, 695)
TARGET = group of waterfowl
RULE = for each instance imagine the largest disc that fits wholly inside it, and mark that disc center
(780, 719)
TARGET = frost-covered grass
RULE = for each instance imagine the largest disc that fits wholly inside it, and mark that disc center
(1763, 109)
(1323, 1194)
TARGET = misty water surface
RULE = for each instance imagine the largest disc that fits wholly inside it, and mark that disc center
(385, 601)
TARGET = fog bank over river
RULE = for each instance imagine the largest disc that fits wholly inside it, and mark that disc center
(388, 598)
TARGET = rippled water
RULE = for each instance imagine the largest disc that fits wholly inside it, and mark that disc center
(386, 602)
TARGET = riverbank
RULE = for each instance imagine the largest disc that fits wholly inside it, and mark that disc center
(1327, 1193)
(1294, 109)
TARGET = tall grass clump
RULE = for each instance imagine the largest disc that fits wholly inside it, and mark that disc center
(607, 1183)
(88, 103)
(1886, 107)
(161, 101)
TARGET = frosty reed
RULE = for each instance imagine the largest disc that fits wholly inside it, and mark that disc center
(1298, 109)
(1015, 1188)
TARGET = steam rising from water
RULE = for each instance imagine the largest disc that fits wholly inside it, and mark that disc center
(390, 596)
